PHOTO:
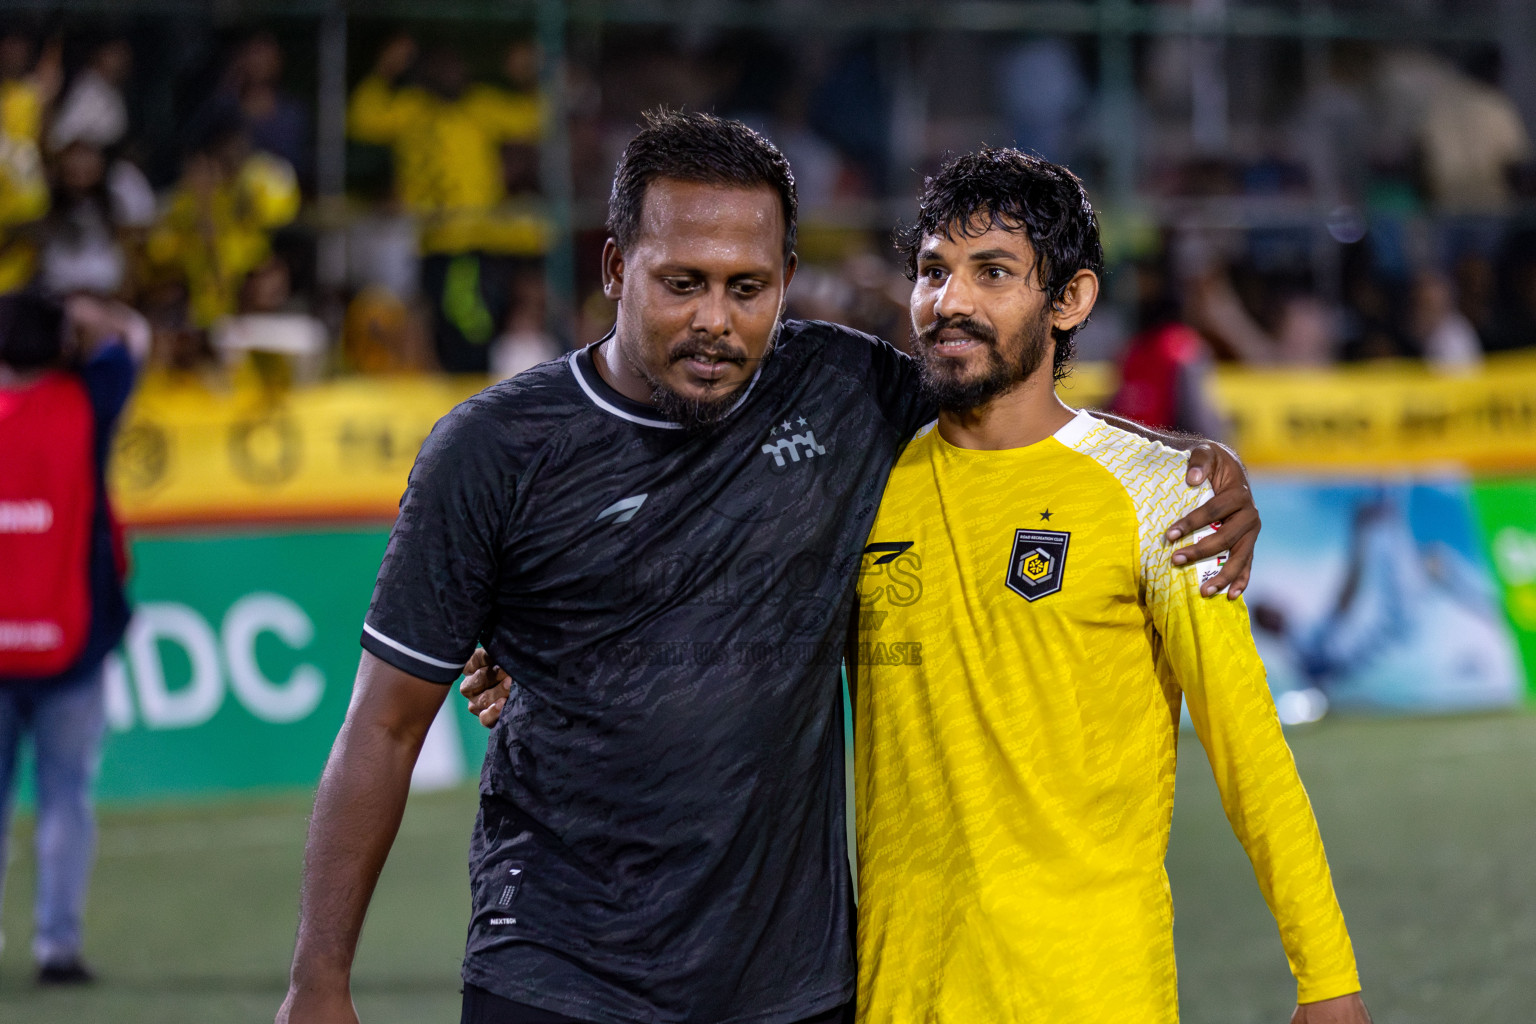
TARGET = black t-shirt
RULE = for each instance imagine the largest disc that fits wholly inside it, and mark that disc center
(661, 834)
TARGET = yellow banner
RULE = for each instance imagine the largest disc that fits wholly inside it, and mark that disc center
(1384, 416)
(188, 453)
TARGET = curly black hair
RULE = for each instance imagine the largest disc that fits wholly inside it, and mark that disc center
(1016, 191)
(697, 147)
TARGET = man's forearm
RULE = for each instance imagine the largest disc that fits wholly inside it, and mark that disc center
(358, 809)
(357, 813)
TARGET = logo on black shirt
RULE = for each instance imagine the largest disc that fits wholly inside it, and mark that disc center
(1038, 563)
(887, 552)
(799, 439)
(623, 510)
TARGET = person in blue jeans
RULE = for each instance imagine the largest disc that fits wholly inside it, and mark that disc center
(64, 713)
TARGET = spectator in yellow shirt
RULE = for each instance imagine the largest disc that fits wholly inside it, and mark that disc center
(446, 135)
(26, 89)
(217, 228)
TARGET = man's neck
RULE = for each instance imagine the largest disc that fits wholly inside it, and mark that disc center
(1029, 413)
(618, 374)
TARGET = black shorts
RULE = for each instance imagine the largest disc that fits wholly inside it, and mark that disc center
(482, 1007)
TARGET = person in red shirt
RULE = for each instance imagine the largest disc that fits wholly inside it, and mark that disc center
(1165, 370)
(64, 379)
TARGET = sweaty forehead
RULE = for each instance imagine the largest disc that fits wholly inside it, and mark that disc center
(978, 236)
(695, 219)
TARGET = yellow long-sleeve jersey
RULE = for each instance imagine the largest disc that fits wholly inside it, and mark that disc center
(214, 241)
(448, 161)
(23, 183)
(1024, 645)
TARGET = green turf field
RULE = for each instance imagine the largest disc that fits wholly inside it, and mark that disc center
(1431, 829)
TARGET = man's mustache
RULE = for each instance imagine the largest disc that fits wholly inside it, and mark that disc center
(976, 329)
(700, 349)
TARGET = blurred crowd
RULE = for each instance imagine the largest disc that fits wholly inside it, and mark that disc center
(79, 216)
(220, 257)
(1309, 204)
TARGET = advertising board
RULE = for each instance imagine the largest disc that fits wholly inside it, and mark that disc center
(238, 667)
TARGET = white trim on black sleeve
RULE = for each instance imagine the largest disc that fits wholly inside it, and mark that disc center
(425, 659)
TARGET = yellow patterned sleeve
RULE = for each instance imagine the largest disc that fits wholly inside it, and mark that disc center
(379, 113)
(513, 117)
(1208, 649)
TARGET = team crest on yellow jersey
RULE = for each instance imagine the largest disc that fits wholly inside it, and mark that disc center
(1038, 563)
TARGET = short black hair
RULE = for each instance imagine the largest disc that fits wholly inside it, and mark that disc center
(31, 331)
(697, 147)
(1016, 191)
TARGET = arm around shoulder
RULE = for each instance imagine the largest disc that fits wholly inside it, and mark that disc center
(1232, 506)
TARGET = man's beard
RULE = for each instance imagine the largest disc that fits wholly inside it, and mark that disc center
(954, 392)
(702, 414)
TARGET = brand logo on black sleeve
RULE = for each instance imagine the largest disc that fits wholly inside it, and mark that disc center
(1038, 563)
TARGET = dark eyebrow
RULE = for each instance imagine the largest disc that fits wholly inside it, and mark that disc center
(992, 255)
(984, 256)
(669, 269)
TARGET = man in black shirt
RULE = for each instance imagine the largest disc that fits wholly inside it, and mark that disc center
(655, 536)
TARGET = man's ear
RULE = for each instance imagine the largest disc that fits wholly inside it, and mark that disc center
(1077, 300)
(789, 275)
(613, 271)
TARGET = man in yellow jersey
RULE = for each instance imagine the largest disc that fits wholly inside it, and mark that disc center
(1025, 643)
